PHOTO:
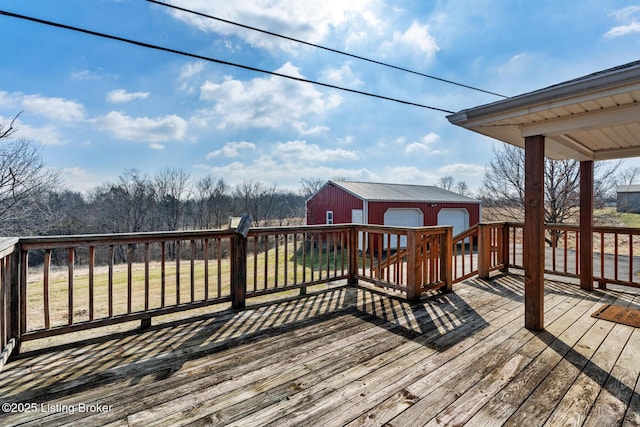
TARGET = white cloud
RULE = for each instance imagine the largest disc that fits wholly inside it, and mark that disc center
(266, 102)
(93, 75)
(46, 135)
(231, 149)
(303, 153)
(121, 95)
(80, 179)
(343, 76)
(311, 20)
(629, 18)
(303, 129)
(191, 69)
(422, 146)
(287, 175)
(53, 108)
(7, 100)
(409, 175)
(286, 163)
(623, 30)
(465, 169)
(417, 38)
(143, 129)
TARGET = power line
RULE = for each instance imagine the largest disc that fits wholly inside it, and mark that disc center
(218, 61)
(323, 47)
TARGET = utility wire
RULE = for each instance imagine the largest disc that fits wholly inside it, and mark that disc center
(218, 61)
(322, 47)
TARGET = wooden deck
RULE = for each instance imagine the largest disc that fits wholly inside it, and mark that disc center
(349, 356)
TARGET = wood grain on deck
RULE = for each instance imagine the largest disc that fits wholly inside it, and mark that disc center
(354, 357)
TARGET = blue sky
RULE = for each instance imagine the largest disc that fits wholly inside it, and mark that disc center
(99, 106)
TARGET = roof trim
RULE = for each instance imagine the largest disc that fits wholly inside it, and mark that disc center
(602, 80)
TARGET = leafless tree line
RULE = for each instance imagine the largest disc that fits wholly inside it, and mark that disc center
(170, 200)
(33, 201)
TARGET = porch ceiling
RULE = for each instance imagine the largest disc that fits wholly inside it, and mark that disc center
(595, 117)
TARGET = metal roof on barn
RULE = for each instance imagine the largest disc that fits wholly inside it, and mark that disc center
(375, 191)
(628, 189)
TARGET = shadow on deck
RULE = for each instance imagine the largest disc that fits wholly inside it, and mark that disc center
(344, 355)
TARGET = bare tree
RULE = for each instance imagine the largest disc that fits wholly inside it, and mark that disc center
(446, 182)
(462, 188)
(213, 202)
(172, 188)
(503, 186)
(258, 200)
(125, 206)
(310, 186)
(628, 176)
(25, 182)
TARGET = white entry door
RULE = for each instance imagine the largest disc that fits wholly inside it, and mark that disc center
(357, 217)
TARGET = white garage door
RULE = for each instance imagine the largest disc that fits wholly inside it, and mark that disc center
(402, 218)
(459, 218)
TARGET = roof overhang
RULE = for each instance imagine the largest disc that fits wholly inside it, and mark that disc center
(596, 117)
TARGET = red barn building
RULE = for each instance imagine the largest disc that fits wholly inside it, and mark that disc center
(339, 202)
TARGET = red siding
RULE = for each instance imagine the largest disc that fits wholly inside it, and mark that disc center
(377, 210)
(331, 198)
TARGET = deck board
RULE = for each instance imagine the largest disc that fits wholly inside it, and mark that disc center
(350, 356)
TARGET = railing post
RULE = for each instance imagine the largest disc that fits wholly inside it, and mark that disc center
(484, 250)
(505, 248)
(239, 263)
(353, 256)
(446, 260)
(14, 295)
(413, 286)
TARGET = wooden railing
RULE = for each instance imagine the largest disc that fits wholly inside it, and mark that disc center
(60, 284)
(54, 285)
(71, 283)
(479, 250)
(616, 252)
(8, 300)
(287, 258)
(409, 260)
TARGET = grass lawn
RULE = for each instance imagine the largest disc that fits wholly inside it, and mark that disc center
(629, 219)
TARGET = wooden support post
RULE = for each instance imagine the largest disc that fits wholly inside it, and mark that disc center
(586, 225)
(239, 263)
(484, 251)
(14, 299)
(353, 256)
(413, 286)
(446, 260)
(533, 236)
(504, 242)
